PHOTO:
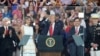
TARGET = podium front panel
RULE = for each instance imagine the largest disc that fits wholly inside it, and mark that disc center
(50, 44)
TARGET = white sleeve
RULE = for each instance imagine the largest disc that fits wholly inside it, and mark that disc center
(83, 23)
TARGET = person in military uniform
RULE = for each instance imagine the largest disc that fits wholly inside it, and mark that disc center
(94, 33)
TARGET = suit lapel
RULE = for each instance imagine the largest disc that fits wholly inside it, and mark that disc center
(73, 30)
(47, 28)
(80, 30)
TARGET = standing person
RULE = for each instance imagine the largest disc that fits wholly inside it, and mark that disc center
(77, 29)
(18, 12)
(14, 4)
(56, 25)
(29, 48)
(94, 33)
(17, 27)
(67, 27)
(8, 38)
(51, 28)
(7, 12)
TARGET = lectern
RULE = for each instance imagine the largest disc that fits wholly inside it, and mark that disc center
(50, 46)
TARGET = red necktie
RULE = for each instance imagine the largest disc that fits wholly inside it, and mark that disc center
(51, 30)
(76, 30)
(7, 32)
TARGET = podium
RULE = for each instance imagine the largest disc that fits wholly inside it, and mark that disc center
(50, 46)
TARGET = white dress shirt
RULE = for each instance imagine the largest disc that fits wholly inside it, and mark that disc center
(6, 27)
(77, 28)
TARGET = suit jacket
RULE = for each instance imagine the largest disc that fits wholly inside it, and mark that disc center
(7, 41)
(58, 28)
(72, 32)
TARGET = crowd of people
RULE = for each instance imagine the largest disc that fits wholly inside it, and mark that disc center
(64, 15)
(40, 3)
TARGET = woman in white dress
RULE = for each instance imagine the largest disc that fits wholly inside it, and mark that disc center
(30, 48)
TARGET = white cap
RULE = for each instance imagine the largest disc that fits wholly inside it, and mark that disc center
(95, 15)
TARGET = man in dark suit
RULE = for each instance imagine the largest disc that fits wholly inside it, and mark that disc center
(8, 38)
(52, 26)
(75, 50)
(94, 40)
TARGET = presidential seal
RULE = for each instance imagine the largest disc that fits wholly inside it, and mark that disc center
(50, 42)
